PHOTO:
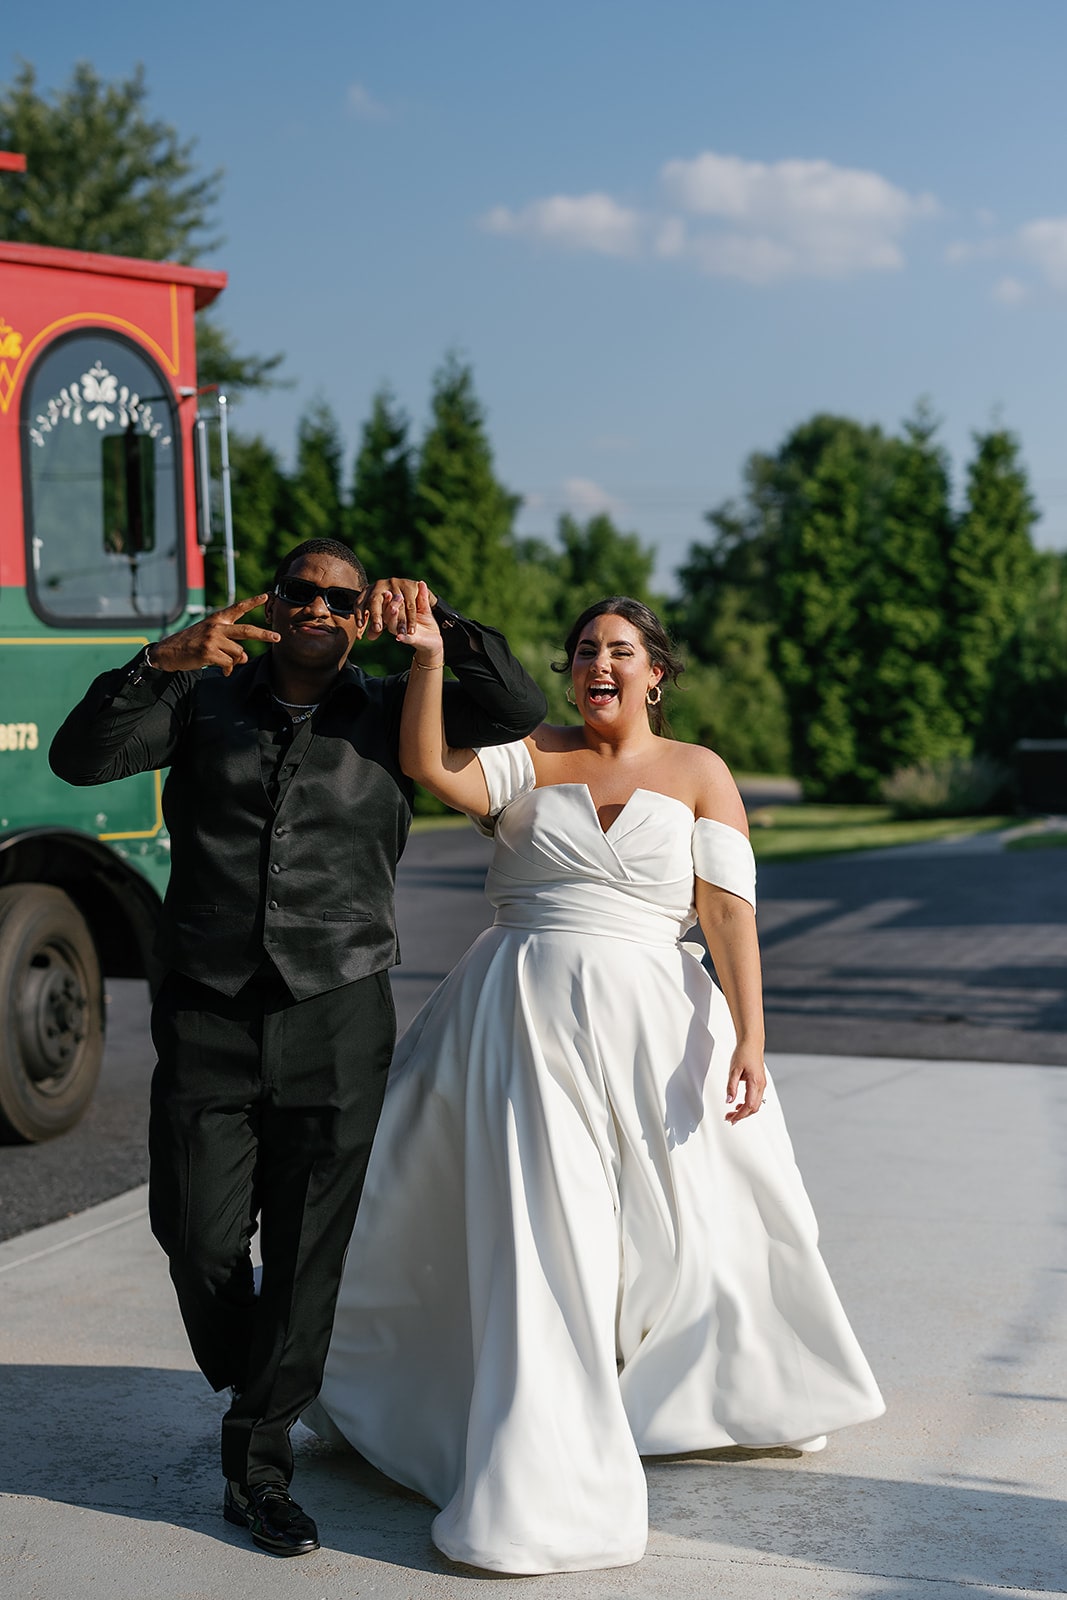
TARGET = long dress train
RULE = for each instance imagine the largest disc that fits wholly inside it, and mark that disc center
(565, 1258)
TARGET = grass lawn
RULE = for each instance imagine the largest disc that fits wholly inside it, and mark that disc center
(797, 833)
(1051, 840)
(448, 819)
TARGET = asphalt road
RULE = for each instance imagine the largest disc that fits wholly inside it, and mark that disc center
(959, 954)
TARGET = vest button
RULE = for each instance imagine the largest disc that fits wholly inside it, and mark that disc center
(274, 867)
(273, 905)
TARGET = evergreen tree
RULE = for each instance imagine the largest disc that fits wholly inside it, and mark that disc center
(220, 366)
(260, 502)
(102, 175)
(909, 717)
(381, 514)
(315, 510)
(830, 473)
(993, 571)
(1029, 698)
(463, 515)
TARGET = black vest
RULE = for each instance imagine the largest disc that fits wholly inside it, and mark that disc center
(308, 882)
(311, 883)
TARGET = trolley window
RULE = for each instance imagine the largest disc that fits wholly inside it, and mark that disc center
(103, 502)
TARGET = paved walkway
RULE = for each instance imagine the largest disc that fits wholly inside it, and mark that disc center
(957, 950)
(940, 1186)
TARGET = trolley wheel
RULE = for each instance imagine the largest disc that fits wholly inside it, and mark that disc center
(51, 1013)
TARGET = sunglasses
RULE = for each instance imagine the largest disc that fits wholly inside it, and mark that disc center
(301, 592)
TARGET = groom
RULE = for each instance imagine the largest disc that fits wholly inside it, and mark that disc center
(274, 1023)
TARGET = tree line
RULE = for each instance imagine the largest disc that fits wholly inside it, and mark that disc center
(846, 617)
(434, 509)
(894, 627)
(843, 620)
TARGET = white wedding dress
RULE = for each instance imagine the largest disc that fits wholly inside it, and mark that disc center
(565, 1258)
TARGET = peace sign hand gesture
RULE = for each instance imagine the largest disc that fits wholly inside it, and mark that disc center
(213, 642)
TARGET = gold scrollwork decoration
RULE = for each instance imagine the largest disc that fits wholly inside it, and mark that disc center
(10, 349)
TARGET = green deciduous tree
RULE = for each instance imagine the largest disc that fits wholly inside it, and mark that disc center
(554, 584)
(731, 697)
(901, 634)
(597, 559)
(738, 568)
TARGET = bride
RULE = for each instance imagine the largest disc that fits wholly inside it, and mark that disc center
(584, 1238)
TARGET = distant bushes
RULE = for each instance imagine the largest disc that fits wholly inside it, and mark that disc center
(960, 786)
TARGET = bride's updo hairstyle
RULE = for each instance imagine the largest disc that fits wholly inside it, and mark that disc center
(657, 642)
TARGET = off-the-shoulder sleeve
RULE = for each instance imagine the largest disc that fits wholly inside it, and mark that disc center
(722, 856)
(509, 772)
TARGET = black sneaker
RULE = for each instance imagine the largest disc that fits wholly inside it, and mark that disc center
(272, 1516)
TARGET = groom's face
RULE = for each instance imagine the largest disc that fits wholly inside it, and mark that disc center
(313, 636)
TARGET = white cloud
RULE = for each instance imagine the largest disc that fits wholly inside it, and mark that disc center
(581, 222)
(362, 104)
(741, 219)
(588, 499)
(752, 257)
(1040, 245)
(671, 238)
(1010, 291)
(1044, 244)
(792, 218)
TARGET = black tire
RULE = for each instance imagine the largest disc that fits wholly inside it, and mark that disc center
(51, 1013)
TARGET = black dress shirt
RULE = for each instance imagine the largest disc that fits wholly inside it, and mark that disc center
(284, 845)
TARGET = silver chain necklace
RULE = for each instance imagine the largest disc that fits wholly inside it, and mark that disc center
(298, 712)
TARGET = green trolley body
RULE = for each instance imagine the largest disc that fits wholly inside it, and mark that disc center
(104, 517)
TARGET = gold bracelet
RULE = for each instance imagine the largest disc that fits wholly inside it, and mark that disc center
(438, 666)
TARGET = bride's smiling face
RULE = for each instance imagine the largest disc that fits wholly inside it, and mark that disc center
(611, 672)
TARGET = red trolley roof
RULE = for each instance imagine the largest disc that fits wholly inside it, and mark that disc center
(206, 285)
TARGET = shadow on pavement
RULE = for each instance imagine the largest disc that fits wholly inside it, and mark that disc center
(140, 1442)
(951, 957)
(918, 1534)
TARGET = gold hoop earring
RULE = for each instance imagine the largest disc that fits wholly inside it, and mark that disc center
(569, 696)
(654, 695)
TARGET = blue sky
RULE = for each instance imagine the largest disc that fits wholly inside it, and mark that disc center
(663, 234)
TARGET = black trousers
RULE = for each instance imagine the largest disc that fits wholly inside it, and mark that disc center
(263, 1112)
